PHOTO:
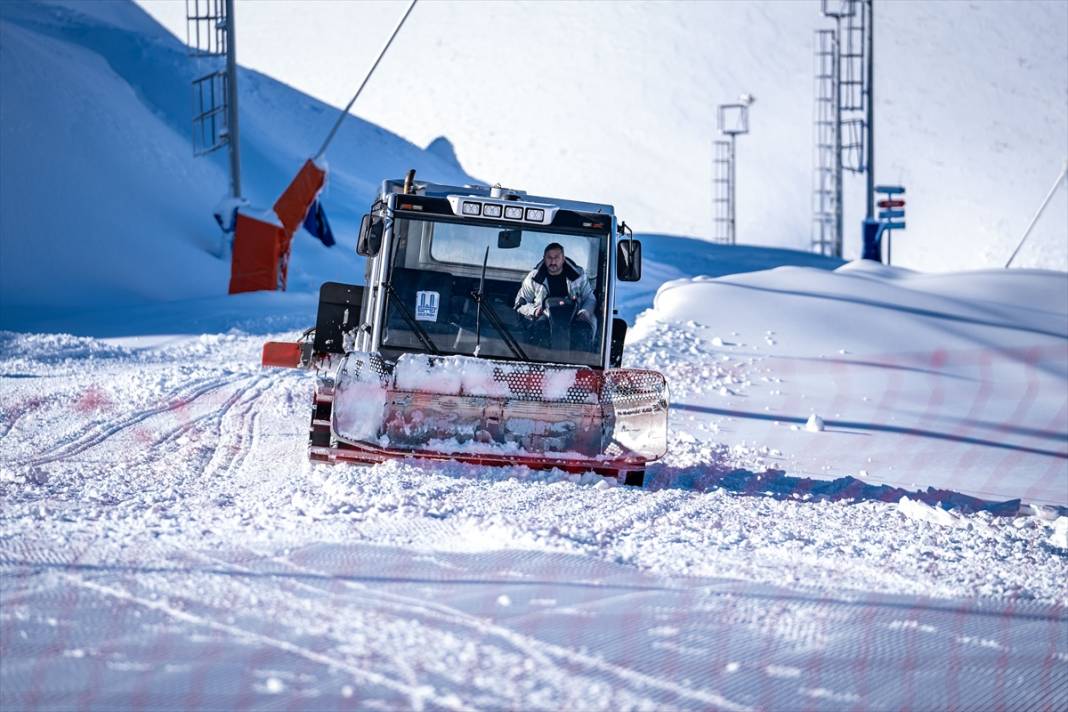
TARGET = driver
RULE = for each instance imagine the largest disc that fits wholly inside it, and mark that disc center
(557, 293)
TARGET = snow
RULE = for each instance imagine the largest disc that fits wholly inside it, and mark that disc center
(360, 397)
(166, 544)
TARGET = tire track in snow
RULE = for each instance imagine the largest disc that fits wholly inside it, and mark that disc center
(10, 416)
(230, 457)
(91, 426)
(82, 441)
(245, 395)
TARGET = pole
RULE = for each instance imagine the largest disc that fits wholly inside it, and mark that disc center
(234, 138)
(838, 138)
(1041, 208)
(374, 66)
(871, 114)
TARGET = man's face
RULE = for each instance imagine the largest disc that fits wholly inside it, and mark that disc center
(554, 262)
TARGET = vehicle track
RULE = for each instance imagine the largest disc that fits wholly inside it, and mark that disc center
(98, 433)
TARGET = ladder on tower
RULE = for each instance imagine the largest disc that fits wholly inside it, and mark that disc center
(722, 223)
(852, 84)
(206, 37)
(825, 189)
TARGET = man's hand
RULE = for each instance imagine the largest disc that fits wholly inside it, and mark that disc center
(538, 311)
(585, 316)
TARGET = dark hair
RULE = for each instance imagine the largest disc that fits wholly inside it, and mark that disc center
(553, 246)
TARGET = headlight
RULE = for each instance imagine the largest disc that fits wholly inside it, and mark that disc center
(535, 214)
(470, 208)
(513, 212)
(491, 211)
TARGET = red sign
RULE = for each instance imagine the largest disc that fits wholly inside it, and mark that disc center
(888, 203)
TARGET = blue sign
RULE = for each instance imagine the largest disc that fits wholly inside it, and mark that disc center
(889, 189)
(894, 226)
(891, 214)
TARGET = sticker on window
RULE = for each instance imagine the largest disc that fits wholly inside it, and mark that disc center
(426, 306)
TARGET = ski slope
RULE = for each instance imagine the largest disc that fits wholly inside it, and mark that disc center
(165, 543)
(864, 504)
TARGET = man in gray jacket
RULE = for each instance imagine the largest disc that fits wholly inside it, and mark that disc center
(558, 293)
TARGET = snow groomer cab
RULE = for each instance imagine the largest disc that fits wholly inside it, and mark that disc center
(431, 358)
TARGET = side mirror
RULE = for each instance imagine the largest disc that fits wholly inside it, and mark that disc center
(628, 260)
(509, 239)
(369, 241)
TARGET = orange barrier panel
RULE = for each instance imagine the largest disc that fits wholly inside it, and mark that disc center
(257, 246)
(261, 249)
(283, 354)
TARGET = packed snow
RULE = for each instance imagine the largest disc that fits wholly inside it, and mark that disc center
(864, 503)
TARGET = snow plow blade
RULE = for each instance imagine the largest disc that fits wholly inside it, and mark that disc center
(491, 412)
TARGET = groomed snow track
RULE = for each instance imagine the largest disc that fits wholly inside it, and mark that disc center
(165, 544)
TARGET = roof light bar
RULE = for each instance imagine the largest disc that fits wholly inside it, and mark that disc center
(472, 206)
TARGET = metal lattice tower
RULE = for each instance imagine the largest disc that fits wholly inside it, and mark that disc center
(722, 188)
(732, 120)
(840, 101)
(827, 187)
(210, 34)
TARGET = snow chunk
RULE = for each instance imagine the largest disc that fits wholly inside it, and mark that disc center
(814, 424)
(557, 382)
(1059, 537)
(453, 375)
(438, 375)
(359, 399)
(782, 671)
(920, 511)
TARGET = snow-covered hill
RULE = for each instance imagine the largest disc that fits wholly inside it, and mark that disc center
(102, 203)
(616, 101)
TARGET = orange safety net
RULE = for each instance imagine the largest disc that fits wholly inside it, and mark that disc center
(261, 247)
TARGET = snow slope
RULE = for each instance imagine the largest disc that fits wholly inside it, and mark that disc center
(103, 203)
(617, 101)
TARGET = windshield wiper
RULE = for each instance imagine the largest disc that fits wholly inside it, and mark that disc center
(420, 332)
(495, 319)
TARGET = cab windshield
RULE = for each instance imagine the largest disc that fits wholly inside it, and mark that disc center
(454, 286)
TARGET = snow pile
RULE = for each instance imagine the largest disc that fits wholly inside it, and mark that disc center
(465, 375)
(1059, 537)
(956, 381)
(359, 398)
